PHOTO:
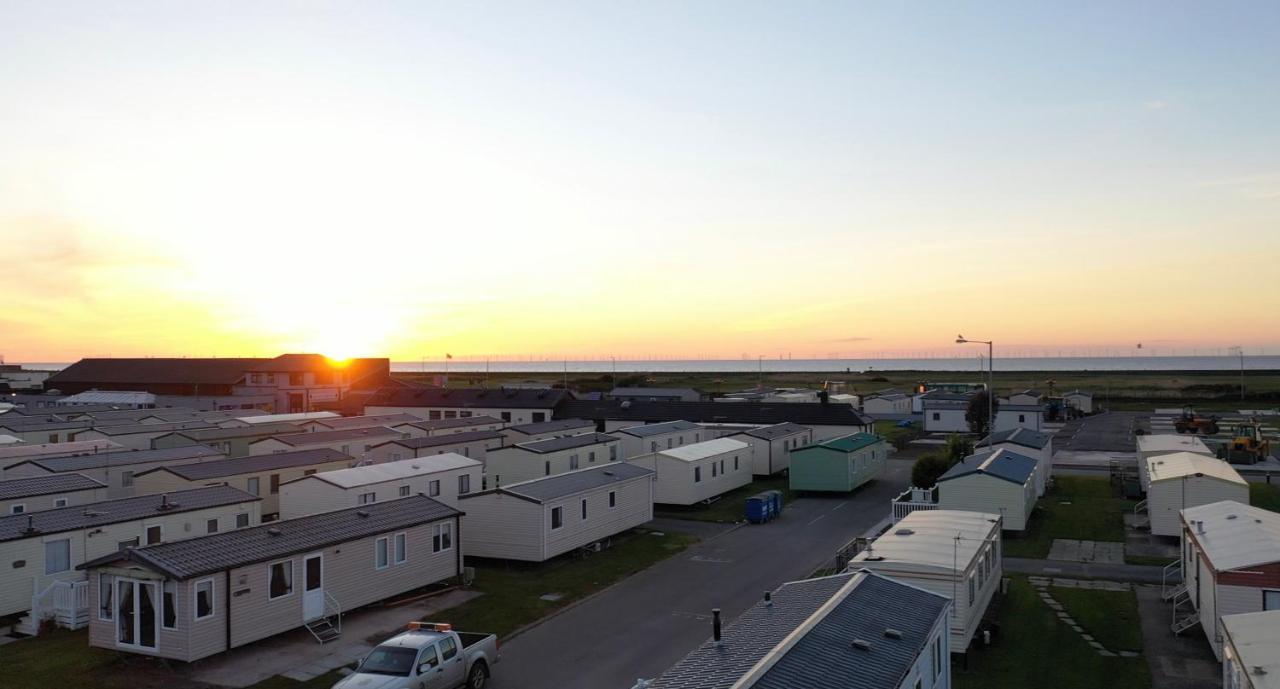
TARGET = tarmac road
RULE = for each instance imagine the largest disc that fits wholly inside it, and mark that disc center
(647, 622)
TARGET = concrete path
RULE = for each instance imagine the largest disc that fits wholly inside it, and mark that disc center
(1085, 570)
(1102, 552)
(1176, 662)
(642, 625)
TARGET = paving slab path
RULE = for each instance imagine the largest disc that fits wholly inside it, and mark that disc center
(1042, 584)
(1143, 574)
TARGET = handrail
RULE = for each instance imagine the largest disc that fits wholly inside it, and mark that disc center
(329, 600)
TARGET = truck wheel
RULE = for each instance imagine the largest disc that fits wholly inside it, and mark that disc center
(478, 677)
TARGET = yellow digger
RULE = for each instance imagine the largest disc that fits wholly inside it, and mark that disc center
(1247, 446)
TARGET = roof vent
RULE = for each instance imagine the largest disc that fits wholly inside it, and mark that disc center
(626, 404)
(1231, 516)
(903, 532)
(31, 529)
(608, 473)
(274, 531)
(165, 505)
(362, 513)
(893, 633)
(862, 645)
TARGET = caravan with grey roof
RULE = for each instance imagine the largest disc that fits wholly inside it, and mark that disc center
(525, 461)
(115, 469)
(539, 519)
(651, 437)
(197, 598)
(41, 550)
(38, 493)
(440, 477)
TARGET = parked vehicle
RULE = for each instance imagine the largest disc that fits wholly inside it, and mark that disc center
(1247, 444)
(1191, 422)
(429, 655)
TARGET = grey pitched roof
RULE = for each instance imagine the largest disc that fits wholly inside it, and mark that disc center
(121, 510)
(824, 656)
(549, 488)
(262, 429)
(463, 398)
(217, 552)
(777, 430)
(551, 426)
(441, 424)
(314, 437)
(346, 422)
(441, 440)
(1019, 436)
(652, 429)
(97, 460)
(565, 443)
(46, 485)
(132, 429)
(1020, 407)
(1001, 463)
(758, 413)
(253, 464)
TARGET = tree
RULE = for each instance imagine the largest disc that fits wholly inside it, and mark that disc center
(927, 469)
(958, 447)
(976, 414)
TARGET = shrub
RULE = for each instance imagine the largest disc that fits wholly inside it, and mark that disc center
(927, 469)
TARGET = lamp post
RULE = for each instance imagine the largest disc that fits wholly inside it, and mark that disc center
(1240, 351)
(991, 383)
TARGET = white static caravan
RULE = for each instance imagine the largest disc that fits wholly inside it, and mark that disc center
(344, 423)
(11, 455)
(260, 475)
(115, 469)
(232, 589)
(1184, 479)
(945, 415)
(1079, 399)
(355, 442)
(50, 492)
(540, 519)
(474, 444)
(887, 403)
(516, 463)
(138, 436)
(998, 481)
(698, 472)
(511, 405)
(1230, 564)
(529, 432)
(637, 440)
(41, 431)
(771, 446)
(33, 561)
(439, 477)
(1026, 397)
(1011, 416)
(422, 429)
(296, 418)
(1155, 445)
(952, 553)
(1251, 650)
(1029, 443)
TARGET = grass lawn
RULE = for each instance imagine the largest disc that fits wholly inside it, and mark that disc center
(890, 431)
(1111, 617)
(1077, 507)
(1035, 649)
(732, 506)
(512, 593)
(1265, 495)
(65, 659)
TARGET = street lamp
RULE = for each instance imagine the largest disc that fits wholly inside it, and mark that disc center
(991, 384)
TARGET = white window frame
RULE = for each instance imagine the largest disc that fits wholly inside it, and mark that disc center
(292, 588)
(613, 499)
(213, 598)
(433, 488)
(212, 522)
(554, 512)
(18, 508)
(248, 521)
(438, 533)
(401, 542)
(583, 511)
(146, 534)
(253, 486)
(464, 484)
(45, 554)
(60, 502)
(404, 491)
(385, 544)
(367, 498)
(110, 614)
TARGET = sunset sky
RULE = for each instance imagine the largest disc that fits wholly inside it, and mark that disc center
(705, 179)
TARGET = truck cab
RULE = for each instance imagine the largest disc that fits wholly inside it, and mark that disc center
(427, 655)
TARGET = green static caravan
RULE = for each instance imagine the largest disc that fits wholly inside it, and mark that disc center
(838, 464)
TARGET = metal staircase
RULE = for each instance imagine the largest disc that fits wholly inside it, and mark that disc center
(1183, 619)
(1172, 583)
(327, 627)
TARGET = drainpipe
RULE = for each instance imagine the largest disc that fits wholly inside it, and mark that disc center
(226, 595)
(457, 540)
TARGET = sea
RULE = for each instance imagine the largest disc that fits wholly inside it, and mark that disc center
(965, 364)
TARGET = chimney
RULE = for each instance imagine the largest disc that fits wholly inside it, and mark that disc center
(715, 626)
(768, 599)
(1200, 527)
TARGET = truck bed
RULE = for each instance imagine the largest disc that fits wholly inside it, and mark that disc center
(469, 639)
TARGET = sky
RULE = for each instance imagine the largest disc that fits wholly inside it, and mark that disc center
(631, 179)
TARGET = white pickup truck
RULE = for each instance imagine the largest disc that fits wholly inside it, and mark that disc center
(429, 655)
